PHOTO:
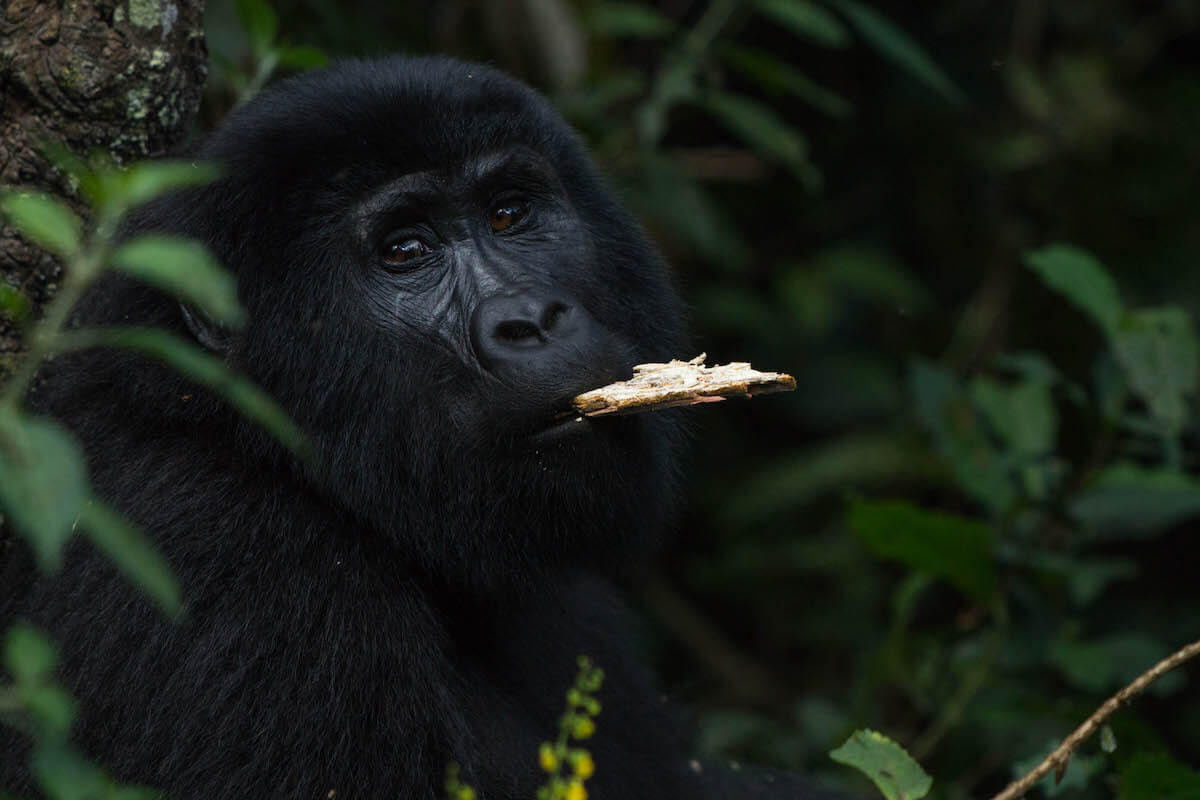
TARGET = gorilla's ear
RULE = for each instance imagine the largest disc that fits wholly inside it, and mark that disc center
(212, 335)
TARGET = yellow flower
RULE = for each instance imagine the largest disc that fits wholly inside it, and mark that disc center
(584, 728)
(576, 792)
(584, 767)
(546, 758)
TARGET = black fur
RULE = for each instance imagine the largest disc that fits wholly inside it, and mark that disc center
(417, 592)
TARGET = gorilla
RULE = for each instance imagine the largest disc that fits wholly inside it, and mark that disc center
(432, 266)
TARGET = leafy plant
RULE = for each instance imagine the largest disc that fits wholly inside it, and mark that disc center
(886, 763)
(568, 767)
(44, 487)
(268, 51)
(692, 75)
(999, 436)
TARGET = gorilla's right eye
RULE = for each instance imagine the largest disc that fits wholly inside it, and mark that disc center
(402, 251)
(504, 215)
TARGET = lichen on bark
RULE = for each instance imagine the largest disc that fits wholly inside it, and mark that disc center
(123, 78)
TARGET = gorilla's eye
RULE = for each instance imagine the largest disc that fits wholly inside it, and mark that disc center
(402, 251)
(506, 214)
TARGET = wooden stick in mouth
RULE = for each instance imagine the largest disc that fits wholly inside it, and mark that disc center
(680, 383)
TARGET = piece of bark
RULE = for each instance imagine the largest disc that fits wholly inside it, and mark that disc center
(680, 383)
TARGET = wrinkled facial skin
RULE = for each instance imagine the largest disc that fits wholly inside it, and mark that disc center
(490, 262)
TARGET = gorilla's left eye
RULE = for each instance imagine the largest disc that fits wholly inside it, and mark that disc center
(506, 214)
(399, 251)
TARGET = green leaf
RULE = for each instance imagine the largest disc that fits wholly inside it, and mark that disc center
(43, 483)
(134, 793)
(676, 82)
(1023, 415)
(63, 774)
(807, 20)
(1158, 350)
(43, 220)
(13, 303)
(185, 268)
(112, 190)
(1128, 499)
(1030, 365)
(303, 57)
(145, 181)
(1157, 776)
(951, 547)
(1083, 280)
(63, 158)
(52, 709)
(1086, 578)
(628, 21)
(777, 76)
(942, 405)
(1101, 665)
(895, 45)
(1110, 387)
(133, 554)
(201, 367)
(886, 763)
(764, 131)
(260, 23)
(29, 654)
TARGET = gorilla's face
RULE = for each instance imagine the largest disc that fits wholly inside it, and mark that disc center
(431, 277)
(489, 262)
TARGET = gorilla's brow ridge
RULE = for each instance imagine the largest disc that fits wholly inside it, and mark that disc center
(427, 186)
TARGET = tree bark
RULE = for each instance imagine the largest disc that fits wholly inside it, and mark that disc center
(122, 77)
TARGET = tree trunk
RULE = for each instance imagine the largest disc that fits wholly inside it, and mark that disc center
(122, 77)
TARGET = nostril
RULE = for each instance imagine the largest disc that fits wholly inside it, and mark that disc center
(551, 316)
(528, 329)
(517, 331)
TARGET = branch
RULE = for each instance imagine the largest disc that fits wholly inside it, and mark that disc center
(1062, 754)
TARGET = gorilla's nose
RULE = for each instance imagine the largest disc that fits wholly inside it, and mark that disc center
(523, 329)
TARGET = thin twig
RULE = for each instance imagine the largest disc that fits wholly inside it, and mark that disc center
(952, 712)
(1063, 752)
